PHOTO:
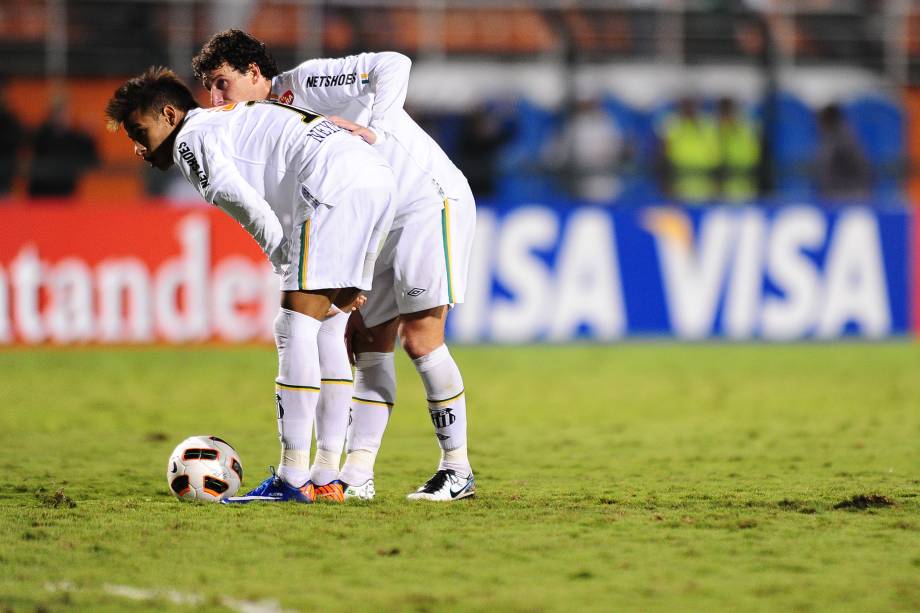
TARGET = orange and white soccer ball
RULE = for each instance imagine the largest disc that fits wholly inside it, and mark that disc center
(204, 468)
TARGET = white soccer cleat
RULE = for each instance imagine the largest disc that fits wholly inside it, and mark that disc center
(445, 485)
(365, 491)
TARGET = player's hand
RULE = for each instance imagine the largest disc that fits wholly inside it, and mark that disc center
(354, 305)
(366, 133)
(356, 328)
(280, 257)
(359, 301)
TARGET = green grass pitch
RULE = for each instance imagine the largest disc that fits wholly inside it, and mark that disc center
(652, 477)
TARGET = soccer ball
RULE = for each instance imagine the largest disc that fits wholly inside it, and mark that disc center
(204, 468)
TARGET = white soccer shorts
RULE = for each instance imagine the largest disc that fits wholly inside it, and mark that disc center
(424, 263)
(337, 246)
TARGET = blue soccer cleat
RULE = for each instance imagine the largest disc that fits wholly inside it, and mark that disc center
(274, 489)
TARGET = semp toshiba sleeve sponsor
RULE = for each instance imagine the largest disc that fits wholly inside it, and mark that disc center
(194, 167)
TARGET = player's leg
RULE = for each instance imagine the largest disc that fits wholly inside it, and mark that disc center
(298, 384)
(334, 247)
(332, 409)
(296, 393)
(430, 285)
(422, 337)
(376, 192)
(373, 401)
(375, 383)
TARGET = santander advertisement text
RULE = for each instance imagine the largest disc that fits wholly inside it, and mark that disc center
(539, 273)
(134, 276)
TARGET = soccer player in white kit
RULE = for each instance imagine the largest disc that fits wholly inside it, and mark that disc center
(317, 200)
(421, 271)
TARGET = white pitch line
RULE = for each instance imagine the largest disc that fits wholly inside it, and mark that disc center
(138, 593)
(175, 597)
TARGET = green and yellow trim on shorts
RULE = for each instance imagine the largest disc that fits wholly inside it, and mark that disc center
(304, 255)
(445, 238)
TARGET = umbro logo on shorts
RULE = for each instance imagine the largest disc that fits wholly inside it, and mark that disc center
(415, 291)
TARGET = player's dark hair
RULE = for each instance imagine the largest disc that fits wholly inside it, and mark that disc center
(150, 91)
(238, 50)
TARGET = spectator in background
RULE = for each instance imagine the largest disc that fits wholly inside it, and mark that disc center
(61, 155)
(740, 152)
(482, 136)
(689, 154)
(11, 138)
(841, 170)
(588, 151)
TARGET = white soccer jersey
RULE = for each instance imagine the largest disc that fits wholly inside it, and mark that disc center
(370, 89)
(270, 166)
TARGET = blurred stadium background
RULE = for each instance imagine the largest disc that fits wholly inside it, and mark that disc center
(676, 168)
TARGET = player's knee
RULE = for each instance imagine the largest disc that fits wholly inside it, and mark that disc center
(375, 377)
(423, 332)
(420, 341)
(382, 338)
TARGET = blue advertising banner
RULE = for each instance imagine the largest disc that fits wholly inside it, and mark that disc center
(558, 272)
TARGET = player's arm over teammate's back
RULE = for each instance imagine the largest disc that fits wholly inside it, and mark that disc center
(374, 83)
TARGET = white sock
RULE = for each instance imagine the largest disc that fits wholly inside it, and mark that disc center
(325, 467)
(375, 395)
(296, 392)
(334, 399)
(446, 406)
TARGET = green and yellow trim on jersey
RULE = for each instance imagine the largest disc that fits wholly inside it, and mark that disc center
(336, 381)
(304, 255)
(446, 400)
(379, 403)
(296, 388)
(445, 238)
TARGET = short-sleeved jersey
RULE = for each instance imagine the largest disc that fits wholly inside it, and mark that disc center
(261, 161)
(370, 89)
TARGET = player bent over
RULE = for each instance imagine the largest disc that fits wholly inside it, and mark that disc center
(317, 200)
(421, 270)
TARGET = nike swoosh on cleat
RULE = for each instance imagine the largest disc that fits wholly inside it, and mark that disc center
(454, 493)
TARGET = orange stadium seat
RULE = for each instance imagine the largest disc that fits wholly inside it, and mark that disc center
(516, 31)
(497, 31)
(338, 34)
(912, 108)
(276, 24)
(913, 33)
(600, 32)
(23, 20)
